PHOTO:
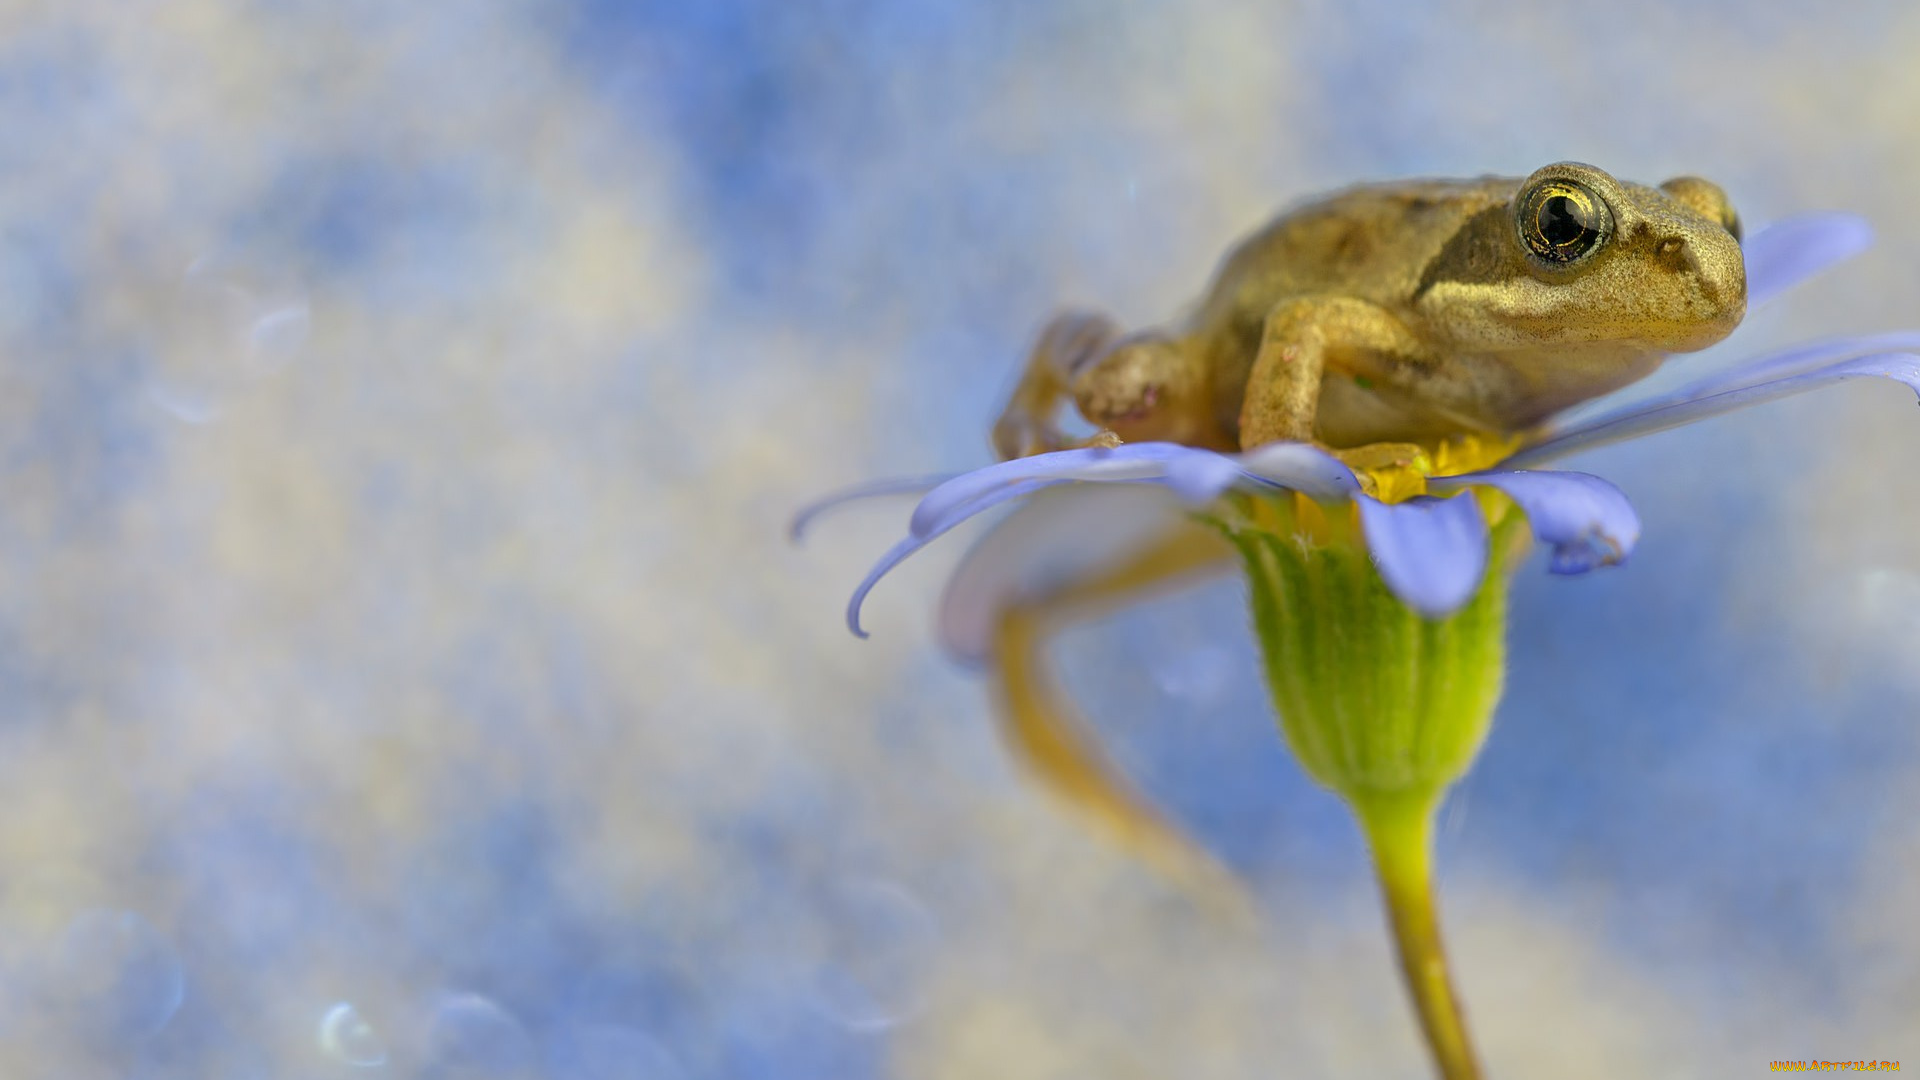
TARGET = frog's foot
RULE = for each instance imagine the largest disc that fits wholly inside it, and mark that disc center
(1144, 389)
(1022, 437)
(1377, 457)
(1025, 441)
(1071, 341)
(1019, 433)
(1117, 399)
(1391, 472)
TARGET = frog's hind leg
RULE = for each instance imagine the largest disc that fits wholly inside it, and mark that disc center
(1069, 342)
(1041, 726)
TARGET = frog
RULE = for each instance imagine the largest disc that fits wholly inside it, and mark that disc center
(1404, 314)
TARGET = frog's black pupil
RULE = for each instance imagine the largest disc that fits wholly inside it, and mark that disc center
(1563, 222)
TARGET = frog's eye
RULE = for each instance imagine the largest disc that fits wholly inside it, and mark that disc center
(1563, 221)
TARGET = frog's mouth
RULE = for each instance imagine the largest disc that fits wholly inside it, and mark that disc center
(1692, 337)
(1715, 305)
(1677, 295)
(1702, 278)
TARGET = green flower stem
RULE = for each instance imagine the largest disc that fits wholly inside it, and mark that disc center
(1382, 705)
(1400, 831)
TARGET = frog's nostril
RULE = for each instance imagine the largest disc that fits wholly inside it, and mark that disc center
(1718, 273)
(1676, 254)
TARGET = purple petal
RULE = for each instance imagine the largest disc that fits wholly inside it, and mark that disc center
(914, 542)
(1664, 414)
(1302, 467)
(1791, 361)
(1058, 538)
(1201, 476)
(1792, 250)
(905, 485)
(1588, 521)
(1431, 552)
(1135, 461)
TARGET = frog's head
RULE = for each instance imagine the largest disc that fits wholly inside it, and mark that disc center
(1579, 257)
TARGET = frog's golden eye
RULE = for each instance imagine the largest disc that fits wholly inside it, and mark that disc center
(1563, 221)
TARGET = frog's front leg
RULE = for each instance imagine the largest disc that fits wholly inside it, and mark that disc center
(1302, 338)
(1150, 387)
(1146, 386)
(1071, 341)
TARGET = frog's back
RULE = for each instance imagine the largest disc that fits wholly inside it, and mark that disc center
(1371, 242)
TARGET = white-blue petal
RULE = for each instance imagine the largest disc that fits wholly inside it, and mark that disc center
(873, 489)
(1201, 476)
(1794, 249)
(1432, 553)
(1793, 361)
(1058, 538)
(1587, 521)
(1302, 467)
(1901, 367)
(914, 542)
(1135, 461)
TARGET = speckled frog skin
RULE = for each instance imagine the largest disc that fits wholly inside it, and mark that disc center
(1408, 312)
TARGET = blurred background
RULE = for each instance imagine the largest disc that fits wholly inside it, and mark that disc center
(403, 671)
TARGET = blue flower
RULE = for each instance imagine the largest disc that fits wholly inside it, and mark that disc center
(1430, 545)
(1384, 707)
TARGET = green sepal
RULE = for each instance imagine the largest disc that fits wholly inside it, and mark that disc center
(1376, 700)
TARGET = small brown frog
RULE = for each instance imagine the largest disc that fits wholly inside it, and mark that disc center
(1408, 312)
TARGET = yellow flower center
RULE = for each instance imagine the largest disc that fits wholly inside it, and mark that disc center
(1396, 472)
(1392, 473)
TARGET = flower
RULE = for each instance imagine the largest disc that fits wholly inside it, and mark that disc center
(1096, 527)
(1378, 593)
(1100, 526)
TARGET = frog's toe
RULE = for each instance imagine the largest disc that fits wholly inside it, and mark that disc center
(1146, 388)
(1018, 434)
(1127, 387)
(1383, 455)
(1106, 403)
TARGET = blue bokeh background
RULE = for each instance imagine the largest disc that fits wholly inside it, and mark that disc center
(403, 672)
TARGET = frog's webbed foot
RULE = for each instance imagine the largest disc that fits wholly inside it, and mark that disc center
(1147, 387)
(1380, 456)
(1070, 342)
(1126, 385)
(1388, 470)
